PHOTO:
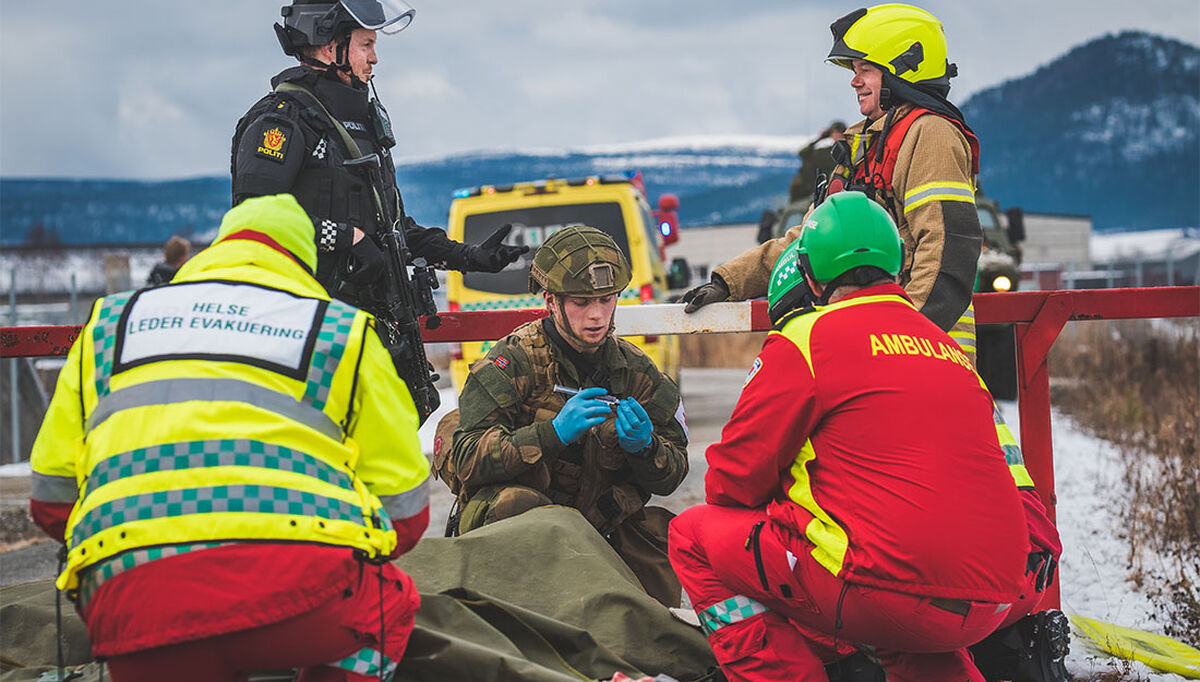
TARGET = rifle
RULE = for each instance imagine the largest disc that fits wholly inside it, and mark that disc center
(399, 299)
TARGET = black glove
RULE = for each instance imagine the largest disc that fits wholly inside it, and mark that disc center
(491, 255)
(366, 262)
(1043, 564)
(712, 292)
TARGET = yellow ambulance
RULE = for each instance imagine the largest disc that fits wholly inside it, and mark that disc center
(615, 204)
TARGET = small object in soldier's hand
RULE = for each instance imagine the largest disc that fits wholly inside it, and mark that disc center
(611, 400)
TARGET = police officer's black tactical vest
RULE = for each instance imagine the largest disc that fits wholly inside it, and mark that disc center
(322, 184)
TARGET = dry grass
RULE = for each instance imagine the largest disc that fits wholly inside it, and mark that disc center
(720, 350)
(1137, 384)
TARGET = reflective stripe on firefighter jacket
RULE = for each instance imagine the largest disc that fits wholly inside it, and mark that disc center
(222, 407)
(864, 430)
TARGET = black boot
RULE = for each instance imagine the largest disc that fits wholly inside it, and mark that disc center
(1033, 649)
(856, 668)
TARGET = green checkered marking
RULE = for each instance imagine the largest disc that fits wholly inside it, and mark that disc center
(366, 661)
(213, 453)
(327, 353)
(211, 500)
(92, 578)
(104, 337)
(728, 612)
(519, 302)
(514, 303)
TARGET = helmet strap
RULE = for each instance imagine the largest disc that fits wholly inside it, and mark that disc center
(341, 60)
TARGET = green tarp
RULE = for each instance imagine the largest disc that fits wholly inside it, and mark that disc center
(537, 598)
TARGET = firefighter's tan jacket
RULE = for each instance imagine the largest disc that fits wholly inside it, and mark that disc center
(934, 207)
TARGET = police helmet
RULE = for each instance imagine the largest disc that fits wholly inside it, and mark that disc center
(312, 23)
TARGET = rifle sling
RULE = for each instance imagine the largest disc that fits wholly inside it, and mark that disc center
(307, 97)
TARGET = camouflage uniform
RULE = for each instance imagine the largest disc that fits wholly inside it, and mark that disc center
(506, 457)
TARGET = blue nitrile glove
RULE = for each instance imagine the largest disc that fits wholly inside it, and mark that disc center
(633, 426)
(582, 412)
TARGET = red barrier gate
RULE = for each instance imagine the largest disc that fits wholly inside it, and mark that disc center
(1039, 317)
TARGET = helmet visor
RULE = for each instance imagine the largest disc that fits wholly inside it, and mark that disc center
(389, 16)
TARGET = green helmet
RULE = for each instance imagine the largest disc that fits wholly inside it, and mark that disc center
(787, 289)
(579, 261)
(847, 231)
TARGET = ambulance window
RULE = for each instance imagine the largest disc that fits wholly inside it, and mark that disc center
(531, 226)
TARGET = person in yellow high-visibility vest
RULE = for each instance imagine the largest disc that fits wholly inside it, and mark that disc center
(231, 460)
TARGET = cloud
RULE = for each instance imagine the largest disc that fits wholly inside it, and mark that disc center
(156, 89)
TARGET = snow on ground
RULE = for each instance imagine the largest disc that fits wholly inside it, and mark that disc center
(1089, 482)
(1178, 242)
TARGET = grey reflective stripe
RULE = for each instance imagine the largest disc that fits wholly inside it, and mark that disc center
(213, 453)
(407, 503)
(46, 488)
(1012, 455)
(91, 579)
(957, 191)
(327, 352)
(172, 391)
(104, 338)
(260, 499)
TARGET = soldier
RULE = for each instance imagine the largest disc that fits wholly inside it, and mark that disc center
(319, 116)
(522, 443)
(814, 158)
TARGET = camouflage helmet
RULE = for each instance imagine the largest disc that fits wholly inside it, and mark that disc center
(579, 261)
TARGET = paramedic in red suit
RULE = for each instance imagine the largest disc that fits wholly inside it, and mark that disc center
(859, 494)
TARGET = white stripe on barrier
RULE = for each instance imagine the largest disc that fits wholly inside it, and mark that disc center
(669, 318)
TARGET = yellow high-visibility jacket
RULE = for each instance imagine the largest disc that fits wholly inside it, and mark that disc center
(237, 403)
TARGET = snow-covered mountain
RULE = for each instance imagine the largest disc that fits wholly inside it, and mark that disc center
(1111, 129)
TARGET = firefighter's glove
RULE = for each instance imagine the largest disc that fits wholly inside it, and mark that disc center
(583, 411)
(713, 292)
(1043, 565)
(366, 262)
(633, 426)
(491, 255)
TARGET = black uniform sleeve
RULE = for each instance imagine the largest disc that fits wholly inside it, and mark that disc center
(432, 244)
(268, 156)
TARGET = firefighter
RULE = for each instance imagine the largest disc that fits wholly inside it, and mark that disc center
(859, 495)
(319, 116)
(913, 153)
(231, 461)
(520, 443)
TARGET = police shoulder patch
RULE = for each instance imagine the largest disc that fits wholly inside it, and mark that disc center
(276, 136)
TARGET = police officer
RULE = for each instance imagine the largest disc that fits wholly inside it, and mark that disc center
(221, 455)
(520, 443)
(320, 136)
(913, 153)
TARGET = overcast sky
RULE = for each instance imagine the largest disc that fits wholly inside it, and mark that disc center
(152, 89)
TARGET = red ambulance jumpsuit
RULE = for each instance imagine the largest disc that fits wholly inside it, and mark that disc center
(859, 496)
